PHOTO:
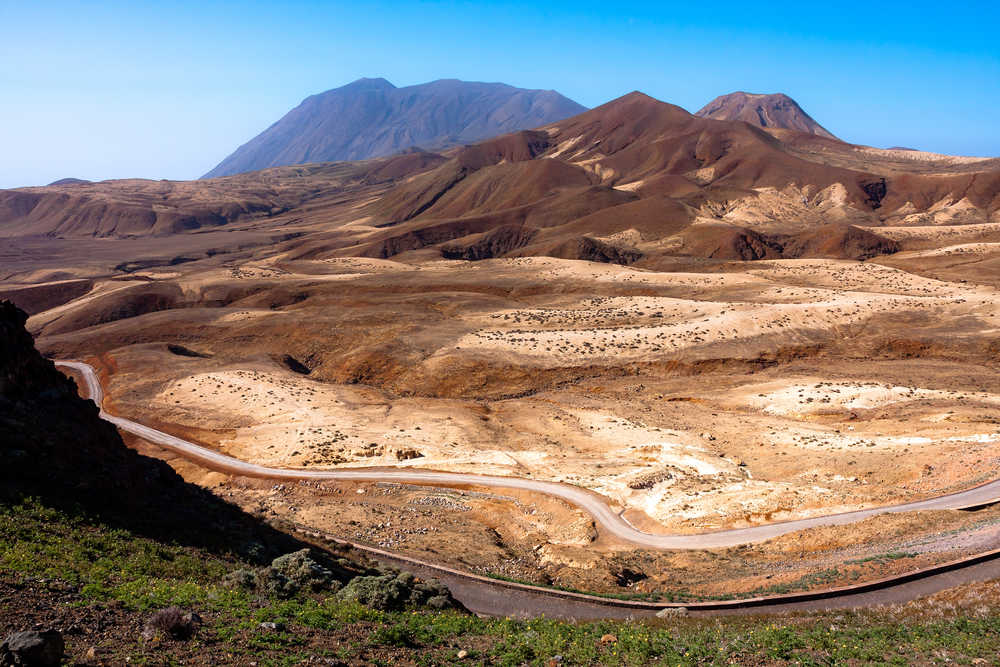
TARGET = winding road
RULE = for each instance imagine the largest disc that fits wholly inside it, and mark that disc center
(606, 519)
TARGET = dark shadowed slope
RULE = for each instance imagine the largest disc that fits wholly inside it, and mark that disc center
(776, 111)
(373, 118)
(55, 447)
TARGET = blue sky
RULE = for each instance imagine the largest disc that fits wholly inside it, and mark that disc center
(112, 90)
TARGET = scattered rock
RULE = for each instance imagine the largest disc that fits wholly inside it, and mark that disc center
(32, 649)
(270, 626)
(461, 655)
(672, 612)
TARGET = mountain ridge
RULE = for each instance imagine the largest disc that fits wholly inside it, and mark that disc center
(370, 117)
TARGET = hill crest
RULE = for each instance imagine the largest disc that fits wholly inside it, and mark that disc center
(775, 111)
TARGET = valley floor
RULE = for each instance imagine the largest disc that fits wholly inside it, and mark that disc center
(715, 395)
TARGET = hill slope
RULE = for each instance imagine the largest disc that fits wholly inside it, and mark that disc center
(372, 118)
(776, 111)
(636, 169)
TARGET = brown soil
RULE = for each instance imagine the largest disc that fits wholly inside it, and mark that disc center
(709, 324)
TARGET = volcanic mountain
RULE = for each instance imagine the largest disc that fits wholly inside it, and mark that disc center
(635, 180)
(638, 177)
(776, 111)
(372, 118)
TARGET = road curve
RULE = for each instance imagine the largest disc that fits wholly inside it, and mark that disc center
(604, 517)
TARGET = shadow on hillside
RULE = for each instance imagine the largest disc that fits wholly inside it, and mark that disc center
(54, 446)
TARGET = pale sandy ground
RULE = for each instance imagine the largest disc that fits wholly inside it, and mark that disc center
(286, 420)
(806, 206)
(957, 250)
(279, 418)
(791, 297)
(808, 396)
(937, 233)
(734, 451)
(920, 156)
(794, 207)
(944, 212)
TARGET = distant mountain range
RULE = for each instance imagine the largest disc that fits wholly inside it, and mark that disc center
(778, 111)
(634, 166)
(373, 118)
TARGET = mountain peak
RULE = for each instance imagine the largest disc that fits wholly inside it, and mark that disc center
(638, 108)
(768, 111)
(638, 101)
(369, 83)
(373, 118)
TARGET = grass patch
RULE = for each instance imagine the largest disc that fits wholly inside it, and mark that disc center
(112, 566)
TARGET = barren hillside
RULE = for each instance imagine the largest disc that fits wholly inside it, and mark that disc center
(372, 118)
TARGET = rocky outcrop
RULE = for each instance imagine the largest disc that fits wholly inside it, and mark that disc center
(52, 442)
(495, 243)
(838, 241)
(32, 649)
(595, 250)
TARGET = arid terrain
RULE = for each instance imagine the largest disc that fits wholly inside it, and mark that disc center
(708, 324)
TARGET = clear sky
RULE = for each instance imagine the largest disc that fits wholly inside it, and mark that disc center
(102, 89)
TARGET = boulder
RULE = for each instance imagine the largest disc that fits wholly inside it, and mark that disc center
(32, 649)
(672, 612)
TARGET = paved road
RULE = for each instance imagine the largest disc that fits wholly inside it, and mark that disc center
(606, 519)
(499, 598)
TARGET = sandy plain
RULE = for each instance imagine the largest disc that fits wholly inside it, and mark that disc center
(662, 391)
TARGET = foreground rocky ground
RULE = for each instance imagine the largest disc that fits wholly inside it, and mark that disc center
(103, 590)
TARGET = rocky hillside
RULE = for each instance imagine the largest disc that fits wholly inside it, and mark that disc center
(776, 111)
(55, 447)
(52, 442)
(372, 118)
(623, 181)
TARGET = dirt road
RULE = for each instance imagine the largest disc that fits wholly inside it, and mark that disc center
(604, 516)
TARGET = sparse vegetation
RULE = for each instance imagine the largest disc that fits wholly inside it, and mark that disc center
(107, 569)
